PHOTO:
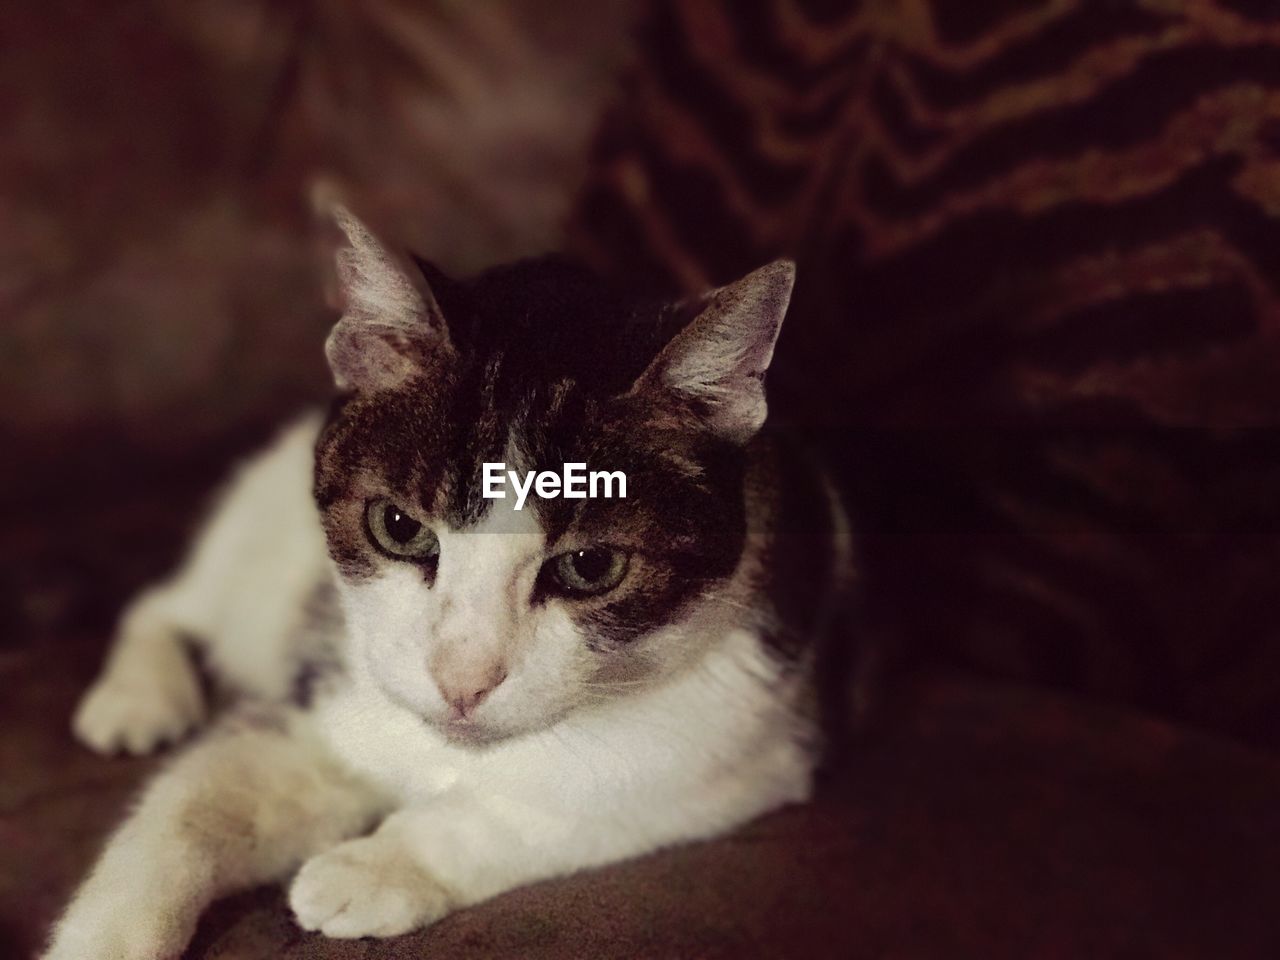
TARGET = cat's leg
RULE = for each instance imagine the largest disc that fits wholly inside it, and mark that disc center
(461, 848)
(243, 807)
(425, 862)
(149, 691)
(240, 596)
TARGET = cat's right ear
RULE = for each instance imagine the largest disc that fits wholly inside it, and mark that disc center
(392, 328)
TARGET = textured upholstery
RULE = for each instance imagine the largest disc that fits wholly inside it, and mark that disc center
(1038, 310)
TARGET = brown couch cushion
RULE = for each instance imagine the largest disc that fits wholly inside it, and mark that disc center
(1035, 321)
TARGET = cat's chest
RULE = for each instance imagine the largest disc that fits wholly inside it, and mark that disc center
(711, 726)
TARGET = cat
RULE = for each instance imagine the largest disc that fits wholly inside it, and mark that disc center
(443, 698)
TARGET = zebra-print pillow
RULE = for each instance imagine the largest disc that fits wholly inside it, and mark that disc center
(1039, 311)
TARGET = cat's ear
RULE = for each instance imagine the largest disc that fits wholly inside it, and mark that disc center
(716, 364)
(391, 328)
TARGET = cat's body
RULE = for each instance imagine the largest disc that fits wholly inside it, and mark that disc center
(502, 695)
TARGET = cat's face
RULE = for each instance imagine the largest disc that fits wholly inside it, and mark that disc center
(487, 621)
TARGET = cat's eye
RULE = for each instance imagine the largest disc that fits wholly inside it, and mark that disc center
(589, 572)
(397, 533)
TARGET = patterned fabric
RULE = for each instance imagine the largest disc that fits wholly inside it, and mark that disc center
(1038, 320)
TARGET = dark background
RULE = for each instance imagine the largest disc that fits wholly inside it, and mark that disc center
(1037, 329)
(161, 308)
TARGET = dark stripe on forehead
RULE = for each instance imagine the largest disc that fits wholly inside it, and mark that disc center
(498, 416)
(480, 417)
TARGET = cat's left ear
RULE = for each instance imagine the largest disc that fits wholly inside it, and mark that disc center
(392, 328)
(716, 364)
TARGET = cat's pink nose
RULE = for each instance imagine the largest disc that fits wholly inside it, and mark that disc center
(463, 686)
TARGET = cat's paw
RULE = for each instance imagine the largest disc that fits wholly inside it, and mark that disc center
(365, 888)
(138, 711)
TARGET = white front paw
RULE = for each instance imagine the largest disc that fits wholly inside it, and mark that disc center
(365, 888)
(139, 712)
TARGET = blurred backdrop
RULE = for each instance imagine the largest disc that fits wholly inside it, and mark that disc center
(1037, 325)
(160, 299)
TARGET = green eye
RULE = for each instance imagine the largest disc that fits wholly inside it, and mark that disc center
(395, 532)
(589, 572)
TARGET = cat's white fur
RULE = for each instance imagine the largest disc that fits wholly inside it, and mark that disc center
(243, 587)
(712, 742)
(422, 642)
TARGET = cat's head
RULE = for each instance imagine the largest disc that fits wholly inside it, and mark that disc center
(489, 621)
